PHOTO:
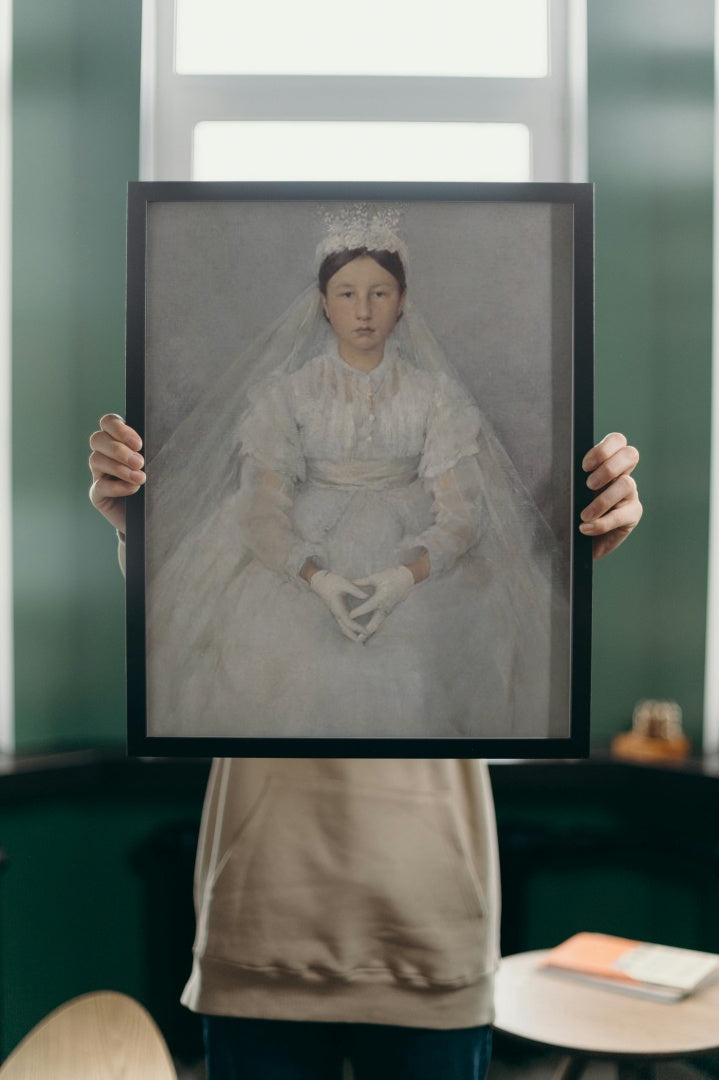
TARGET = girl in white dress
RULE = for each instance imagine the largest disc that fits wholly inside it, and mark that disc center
(377, 569)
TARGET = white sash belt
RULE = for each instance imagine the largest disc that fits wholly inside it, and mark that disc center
(378, 475)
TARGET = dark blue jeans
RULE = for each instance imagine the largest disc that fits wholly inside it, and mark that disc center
(239, 1049)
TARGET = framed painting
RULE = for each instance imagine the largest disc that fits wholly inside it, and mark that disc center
(364, 408)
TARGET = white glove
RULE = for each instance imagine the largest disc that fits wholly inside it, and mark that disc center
(331, 589)
(390, 587)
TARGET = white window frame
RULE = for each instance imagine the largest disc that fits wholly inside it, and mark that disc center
(553, 108)
(7, 721)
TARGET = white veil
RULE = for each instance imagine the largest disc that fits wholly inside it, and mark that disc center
(193, 549)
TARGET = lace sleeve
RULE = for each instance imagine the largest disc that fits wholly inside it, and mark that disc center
(458, 505)
(272, 465)
(269, 434)
(452, 428)
(451, 472)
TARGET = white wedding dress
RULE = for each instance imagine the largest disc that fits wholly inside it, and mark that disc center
(357, 471)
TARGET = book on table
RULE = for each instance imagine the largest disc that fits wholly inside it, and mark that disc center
(661, 972)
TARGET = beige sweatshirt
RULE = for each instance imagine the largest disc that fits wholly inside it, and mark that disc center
(347, 890)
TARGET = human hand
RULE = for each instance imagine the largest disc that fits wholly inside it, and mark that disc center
(332, 589)
(616, 510)
(116, 468)
(390, 587)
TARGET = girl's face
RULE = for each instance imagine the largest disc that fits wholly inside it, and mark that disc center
(363, 303)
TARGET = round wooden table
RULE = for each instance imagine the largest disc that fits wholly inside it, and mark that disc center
(588, 1022)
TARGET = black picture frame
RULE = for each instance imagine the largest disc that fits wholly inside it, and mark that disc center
(204, 255)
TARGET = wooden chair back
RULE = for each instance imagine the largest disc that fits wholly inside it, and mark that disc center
(99, 1036)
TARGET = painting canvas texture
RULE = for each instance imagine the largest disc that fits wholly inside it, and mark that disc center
(265, 448)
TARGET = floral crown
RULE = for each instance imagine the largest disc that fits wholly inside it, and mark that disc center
(361, 225)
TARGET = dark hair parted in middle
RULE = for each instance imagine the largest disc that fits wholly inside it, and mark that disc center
(388, 260)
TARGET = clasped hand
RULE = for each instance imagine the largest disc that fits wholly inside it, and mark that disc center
(389, 588)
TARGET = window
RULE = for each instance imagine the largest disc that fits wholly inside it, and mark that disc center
(6, 612)
(487, 91)
(334, 150)
(473, 38)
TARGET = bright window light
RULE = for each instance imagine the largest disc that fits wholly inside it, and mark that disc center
(457, 38)
(313, 150)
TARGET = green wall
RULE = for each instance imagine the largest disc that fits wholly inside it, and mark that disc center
(77, 898)
(75, 146)
(76, 89)
(650, 156)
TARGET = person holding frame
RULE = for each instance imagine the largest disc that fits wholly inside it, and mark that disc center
(349, 908)
(300, 1022)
